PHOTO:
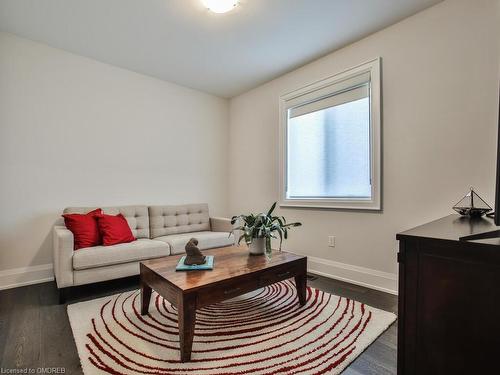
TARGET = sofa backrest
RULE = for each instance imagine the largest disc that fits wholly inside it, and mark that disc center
(165, 220)
(137, 217)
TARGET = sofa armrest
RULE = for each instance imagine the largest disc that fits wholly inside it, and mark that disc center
(63, 256)
(220, 224)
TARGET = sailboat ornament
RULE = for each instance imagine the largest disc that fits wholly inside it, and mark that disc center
(472, 205)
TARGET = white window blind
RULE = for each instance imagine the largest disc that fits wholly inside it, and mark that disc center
(349, 95)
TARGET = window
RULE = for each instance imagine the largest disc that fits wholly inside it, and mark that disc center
(330, 142)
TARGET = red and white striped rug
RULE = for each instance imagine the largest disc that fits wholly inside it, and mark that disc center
(263, 332)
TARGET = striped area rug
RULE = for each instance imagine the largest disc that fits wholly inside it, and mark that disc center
(263, 332)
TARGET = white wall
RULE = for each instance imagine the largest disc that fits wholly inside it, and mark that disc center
(74, 132)
(440, 98)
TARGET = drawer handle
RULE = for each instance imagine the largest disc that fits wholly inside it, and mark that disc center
(231, 291)
(283, 274)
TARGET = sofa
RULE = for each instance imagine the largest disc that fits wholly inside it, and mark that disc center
(159, 231)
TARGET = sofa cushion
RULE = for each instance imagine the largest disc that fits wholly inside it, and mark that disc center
(99, 256)
(207, 240)
(137, 217)
(167, 220)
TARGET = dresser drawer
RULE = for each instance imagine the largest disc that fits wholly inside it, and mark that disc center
(277, 274)
(226, 291)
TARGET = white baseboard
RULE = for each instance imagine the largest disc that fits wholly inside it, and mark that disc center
(370, 278)
(15, 277)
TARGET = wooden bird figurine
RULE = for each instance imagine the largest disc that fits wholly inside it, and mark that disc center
(193, 253)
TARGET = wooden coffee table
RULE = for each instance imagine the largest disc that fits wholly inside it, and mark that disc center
(235, 272)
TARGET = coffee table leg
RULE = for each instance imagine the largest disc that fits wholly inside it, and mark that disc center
(145, 298)
(300, 283)
(187, 319)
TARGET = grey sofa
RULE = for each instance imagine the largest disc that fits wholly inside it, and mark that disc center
(159, 231)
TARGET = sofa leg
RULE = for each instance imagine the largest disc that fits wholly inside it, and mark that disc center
(62, 295)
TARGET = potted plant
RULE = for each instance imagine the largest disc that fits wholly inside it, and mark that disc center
(258, 229)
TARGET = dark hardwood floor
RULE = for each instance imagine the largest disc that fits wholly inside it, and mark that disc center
(35, 331)
(380, 356)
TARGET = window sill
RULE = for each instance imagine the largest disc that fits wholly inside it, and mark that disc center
(333, 205)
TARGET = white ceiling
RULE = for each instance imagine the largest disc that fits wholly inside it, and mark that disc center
(182, 42)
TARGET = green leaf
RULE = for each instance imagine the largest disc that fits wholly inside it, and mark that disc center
(271, 209)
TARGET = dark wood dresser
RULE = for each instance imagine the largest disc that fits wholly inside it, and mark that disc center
(449, 299)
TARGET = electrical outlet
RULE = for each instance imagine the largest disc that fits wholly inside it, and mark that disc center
(331, 241)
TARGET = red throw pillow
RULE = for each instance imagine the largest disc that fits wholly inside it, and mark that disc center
(84, 228)
(114, 229)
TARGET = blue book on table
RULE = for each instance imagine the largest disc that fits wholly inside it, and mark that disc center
(208, 265)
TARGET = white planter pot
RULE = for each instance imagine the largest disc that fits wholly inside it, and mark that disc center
(258, 246)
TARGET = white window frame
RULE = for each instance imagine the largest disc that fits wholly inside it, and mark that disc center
(375, 202)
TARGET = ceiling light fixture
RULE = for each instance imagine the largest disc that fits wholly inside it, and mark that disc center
(220, 6)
